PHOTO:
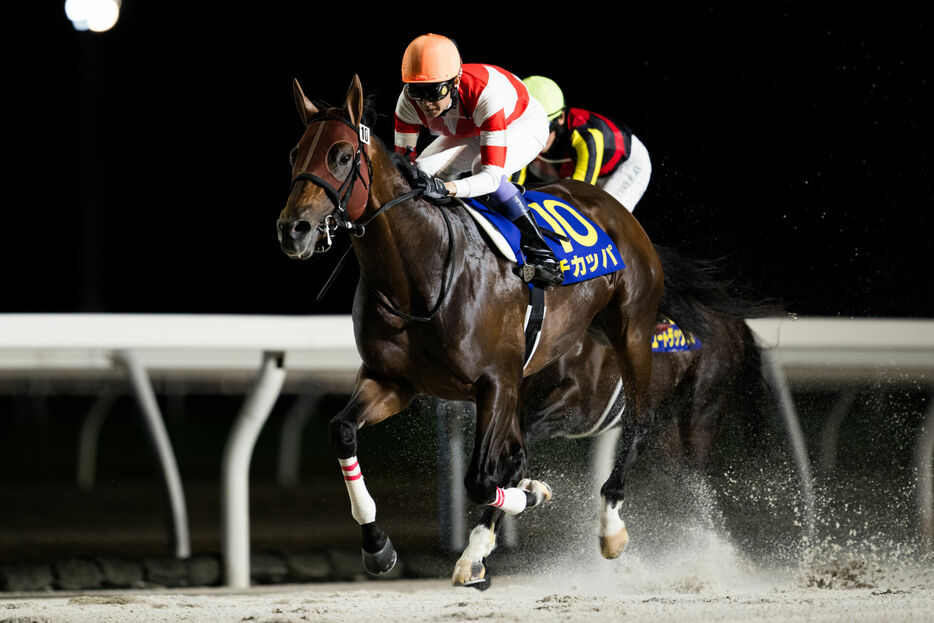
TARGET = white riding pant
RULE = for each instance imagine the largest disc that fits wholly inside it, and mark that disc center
(448, 156)
(630, 179)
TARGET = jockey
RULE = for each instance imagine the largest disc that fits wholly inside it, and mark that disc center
(487, 127)
(586, 146)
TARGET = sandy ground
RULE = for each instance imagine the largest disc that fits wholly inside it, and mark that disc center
(698, 553)
(680, 566)
(513, 599)
(711, 581)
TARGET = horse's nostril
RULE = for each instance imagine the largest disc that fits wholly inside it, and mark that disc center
(300, 229)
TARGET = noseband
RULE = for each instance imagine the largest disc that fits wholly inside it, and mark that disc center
(349, 199)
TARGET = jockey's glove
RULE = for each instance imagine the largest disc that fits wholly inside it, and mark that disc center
(431, 187)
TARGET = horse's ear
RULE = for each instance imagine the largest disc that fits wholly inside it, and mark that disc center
(354, 103)
(306, 110)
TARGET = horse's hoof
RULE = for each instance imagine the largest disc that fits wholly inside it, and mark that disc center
(538, 492)
(480, 585)
(470, 573)
(381, 562)
(612, 546)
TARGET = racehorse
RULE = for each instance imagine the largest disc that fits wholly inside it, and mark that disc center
(693, 390)
(437, 312)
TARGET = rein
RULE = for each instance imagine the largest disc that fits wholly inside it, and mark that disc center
(359, 231)
(448, 263)
(446, 278)
(341, 218)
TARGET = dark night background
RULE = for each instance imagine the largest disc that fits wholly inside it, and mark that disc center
(148, 164)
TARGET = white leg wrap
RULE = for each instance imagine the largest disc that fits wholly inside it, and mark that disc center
(362, 506)
(480, 544)
(511, 500)
(610, 521)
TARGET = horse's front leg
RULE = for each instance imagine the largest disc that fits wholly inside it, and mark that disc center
(493, 479)
(470, 569)
(371, 402)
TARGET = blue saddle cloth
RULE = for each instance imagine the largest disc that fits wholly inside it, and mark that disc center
(588, 251)
(669, 338)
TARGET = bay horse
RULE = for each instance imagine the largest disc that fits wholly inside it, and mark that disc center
(692, 391)
(437, 312)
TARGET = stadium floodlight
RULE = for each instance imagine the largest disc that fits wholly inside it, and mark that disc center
(94, 15)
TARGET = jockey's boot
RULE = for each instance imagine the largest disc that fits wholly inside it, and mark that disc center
(541, 266)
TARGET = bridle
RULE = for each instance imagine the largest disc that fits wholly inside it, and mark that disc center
(349, 200)
(348, 207)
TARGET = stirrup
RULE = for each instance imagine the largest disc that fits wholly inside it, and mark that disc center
(541, 266)
(541, 274)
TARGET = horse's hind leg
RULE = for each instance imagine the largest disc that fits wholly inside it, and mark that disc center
(633, 346)
(613, 535)
(371, 402)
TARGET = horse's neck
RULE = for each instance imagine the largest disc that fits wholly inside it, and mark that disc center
(403, 251)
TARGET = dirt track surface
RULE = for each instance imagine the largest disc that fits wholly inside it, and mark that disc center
(511, 599)
(729, 547)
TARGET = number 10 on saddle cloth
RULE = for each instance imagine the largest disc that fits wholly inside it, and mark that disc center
(584, 250)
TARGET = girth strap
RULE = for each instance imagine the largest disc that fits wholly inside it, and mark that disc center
(534, 319)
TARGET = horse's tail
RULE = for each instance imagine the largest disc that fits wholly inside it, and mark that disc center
(697, 294)
(694, 289)
(756, 405)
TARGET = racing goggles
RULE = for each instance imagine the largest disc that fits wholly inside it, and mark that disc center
(430, 92)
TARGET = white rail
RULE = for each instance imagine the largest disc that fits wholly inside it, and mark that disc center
(264, 354)
(255, 354)
(821, 349)
(851, 352)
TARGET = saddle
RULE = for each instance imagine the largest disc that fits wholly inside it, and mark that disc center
(581, 246)
(669, 338)
(582, 261)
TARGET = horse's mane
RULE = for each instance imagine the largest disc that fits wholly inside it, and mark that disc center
(406, 167)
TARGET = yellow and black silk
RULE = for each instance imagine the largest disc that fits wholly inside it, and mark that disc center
(587, 146)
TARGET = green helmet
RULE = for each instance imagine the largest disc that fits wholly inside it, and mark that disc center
(548, 93)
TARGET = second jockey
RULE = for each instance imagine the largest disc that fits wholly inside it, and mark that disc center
(587, 146)
(487, 128)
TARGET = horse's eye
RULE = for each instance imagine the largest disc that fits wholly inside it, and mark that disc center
(292, 155)
(340, 159)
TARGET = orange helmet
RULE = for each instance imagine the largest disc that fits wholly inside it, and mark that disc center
(430, 58)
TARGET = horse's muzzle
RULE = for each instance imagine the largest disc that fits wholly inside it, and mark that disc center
(299, 239)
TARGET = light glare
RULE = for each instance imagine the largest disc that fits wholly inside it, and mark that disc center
(95, 15)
